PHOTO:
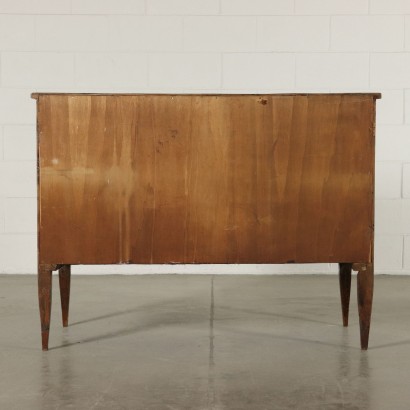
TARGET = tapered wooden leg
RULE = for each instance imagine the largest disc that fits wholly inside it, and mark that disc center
(44, 299)
(365, 283)
(64, 275)
(345, 279)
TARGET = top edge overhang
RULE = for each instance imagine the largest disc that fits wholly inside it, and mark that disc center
(374, 95)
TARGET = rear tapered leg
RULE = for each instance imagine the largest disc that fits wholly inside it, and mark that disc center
(365, 283)
(345, 280)
(44, 299)
(64, 275)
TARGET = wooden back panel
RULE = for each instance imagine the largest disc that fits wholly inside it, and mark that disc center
(205, 179)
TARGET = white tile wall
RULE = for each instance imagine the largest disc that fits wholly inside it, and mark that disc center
(390, 70)
(17, 32)
(185, 71)
(18, 179)
(407, 24)
(367, 33)
(18, 253)
(407, 106)
(114, 70)
(331, 7)
(19, 144)
(388, 179)
(108, 6)
(393, 143)
(389, 6)
(256, 7)
(149, 34)
(392, 216)
(1, 216)
(204, 46)
(390, 109)
(20, 215)
(293, 33)
(16, 107)
(181, 7)
(406, 180)
(388, 252)
(25, 69)
(35, 6)
(1, 143)
(71, 33)
(406, 259)
(335, 70)
(215, 34)
(256, 71)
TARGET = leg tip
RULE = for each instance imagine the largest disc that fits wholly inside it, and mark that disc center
(44, 340)
(364, 344)
(65, 323)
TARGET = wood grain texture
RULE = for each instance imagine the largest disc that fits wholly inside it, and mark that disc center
(44, 279)
(345, 280)
(205, 179)
(365, 286)
(64, 278)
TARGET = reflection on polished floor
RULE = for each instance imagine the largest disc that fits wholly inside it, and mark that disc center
(204, 342)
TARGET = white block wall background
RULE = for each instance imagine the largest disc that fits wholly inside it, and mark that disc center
(222, 46)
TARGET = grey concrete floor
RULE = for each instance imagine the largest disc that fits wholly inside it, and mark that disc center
(204, 342)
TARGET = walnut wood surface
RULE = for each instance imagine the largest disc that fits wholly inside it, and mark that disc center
(64, 276)
(365, 285)
(44, 280)
(345, 280)
(205, 179)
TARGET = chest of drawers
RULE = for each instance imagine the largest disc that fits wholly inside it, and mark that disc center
(164, 179)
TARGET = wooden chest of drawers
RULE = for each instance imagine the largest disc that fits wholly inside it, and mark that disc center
(161, 179)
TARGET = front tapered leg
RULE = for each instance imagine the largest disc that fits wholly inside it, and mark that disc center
(44, 299)
(345, 279)
(365, 283)
(64, 275)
